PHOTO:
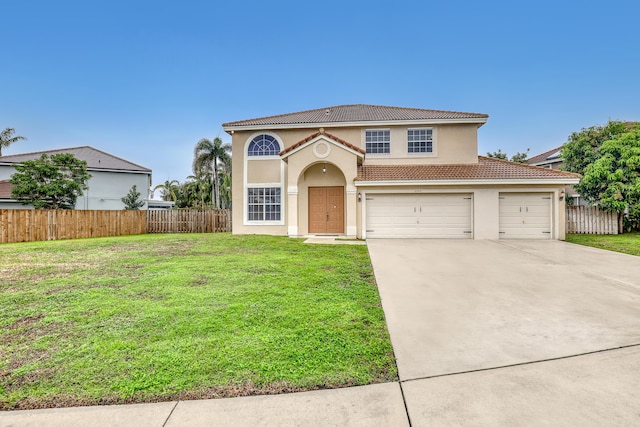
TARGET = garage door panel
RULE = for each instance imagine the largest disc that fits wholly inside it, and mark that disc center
(419, 216)
(525, 216)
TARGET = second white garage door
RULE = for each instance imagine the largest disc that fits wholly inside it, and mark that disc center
(525, 215)
(419, 216)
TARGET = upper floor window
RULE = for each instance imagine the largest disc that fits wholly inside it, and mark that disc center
(420, 140)
(263, 145)
(377, 141)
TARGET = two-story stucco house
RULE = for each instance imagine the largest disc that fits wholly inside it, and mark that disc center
(111, 178)
(370, 171)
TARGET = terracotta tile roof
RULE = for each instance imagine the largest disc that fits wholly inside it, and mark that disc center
(357, 113)
(486, 168)
(5, 190)
(317, 134)
(95, 159)
(547, 155)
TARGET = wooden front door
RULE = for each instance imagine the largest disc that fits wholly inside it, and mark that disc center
(326, 209)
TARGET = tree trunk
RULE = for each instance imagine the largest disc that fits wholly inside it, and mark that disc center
(216, 192)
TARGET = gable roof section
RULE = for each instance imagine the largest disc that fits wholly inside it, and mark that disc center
(486, 169)
(313, 136)
(342, 115)
(96, 159)
(547, 156)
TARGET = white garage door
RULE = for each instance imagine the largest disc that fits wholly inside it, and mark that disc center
(419, 216)
(525, 215)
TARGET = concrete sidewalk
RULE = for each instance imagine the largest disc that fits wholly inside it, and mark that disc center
(378, 404)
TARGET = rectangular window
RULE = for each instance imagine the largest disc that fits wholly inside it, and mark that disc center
(263, 204)
(377, 141)
(420, 140)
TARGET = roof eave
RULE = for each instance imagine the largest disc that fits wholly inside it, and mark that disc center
(477, 120)
(510, 181)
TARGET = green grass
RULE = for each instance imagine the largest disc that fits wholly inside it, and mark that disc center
(159, 317)
(628, 243)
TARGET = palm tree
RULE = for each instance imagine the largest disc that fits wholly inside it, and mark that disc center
(168, 190)
(207, 158)
(7, 138)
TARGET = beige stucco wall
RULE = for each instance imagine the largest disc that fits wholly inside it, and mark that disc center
(259, 171)
(485, 215)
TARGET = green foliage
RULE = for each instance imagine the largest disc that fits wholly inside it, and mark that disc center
(613, 180)
(209, 159)
(7, 138)
(132, 201)
(50, 182)
(156, 317)
(169, 190)
(518, 157)
(583, 147)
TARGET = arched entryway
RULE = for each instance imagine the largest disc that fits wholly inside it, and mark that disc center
(322, 199)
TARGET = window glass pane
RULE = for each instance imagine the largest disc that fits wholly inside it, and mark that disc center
(419, 141)
(263, 204)
(263, 145)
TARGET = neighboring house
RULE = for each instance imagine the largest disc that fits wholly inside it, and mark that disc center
(369, 171)
(552, 159)
(549, 159)
(111, 178)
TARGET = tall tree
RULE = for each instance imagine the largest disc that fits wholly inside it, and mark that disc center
(582, 148)
(132, 201)
(613, 180)
(7, 138)
(50, 182)
(169, 190)
(208, 156)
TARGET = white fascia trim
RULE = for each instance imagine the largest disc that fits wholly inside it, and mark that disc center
(567, 181)
(546, 162)
(479, 121)
(323, 138)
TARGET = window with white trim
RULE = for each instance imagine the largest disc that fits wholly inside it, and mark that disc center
(420, 140)
(377, 141)
(263, 145)
(263, 204)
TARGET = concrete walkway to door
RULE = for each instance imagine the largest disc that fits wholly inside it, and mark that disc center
(517, 332)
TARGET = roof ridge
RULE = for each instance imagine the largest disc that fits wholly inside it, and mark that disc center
(340, 110)
(45, 151)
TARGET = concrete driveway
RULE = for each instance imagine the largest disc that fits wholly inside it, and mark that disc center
(490, 332)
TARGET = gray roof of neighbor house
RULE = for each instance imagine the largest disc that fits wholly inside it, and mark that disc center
(486, 169)
(342, 114)
(96, 159)
(547, 156)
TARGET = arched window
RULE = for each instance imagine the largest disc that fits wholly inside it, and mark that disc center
(263, 145)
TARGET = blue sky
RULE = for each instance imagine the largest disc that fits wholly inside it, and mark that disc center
(145, 80)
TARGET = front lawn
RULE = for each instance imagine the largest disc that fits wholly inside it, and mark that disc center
(162, 317)
(628, 243)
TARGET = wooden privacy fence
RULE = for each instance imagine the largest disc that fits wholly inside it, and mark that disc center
(37, 225)
(591, 220)
(26, 225)
(189, 221)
